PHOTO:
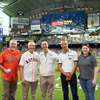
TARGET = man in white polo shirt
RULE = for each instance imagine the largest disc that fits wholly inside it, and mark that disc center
(67, 65)
(47, 60)
(28, 72)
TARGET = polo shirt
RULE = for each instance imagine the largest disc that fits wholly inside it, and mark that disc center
(47, 63)
(67, 60)
(29, 62)
(86, 66)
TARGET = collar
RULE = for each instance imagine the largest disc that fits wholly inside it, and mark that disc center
(30, 53)
(47, 52)
(68, 51)
(10, 50)
(85, 56)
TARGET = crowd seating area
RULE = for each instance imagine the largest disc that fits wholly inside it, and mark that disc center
(53, 39)
(24, 38)
(57, 39)
(78, 50)
(56, 50)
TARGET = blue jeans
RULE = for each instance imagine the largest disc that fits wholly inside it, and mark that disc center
(73, 85)
(88, 88)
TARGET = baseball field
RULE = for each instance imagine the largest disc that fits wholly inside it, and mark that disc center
(58, 94)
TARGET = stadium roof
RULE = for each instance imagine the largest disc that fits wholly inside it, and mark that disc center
(11, 7)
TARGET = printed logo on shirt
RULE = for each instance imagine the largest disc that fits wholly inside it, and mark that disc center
(87, 58)
(69, 58)
(12, 58)
(31, 59)
(70, 55)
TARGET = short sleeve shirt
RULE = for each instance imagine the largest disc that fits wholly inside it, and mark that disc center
(86, 66)
(67, 60)
(30, 62)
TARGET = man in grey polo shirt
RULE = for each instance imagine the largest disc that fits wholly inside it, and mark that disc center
(67, 65)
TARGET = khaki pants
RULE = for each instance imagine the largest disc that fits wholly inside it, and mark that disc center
(47, 83)
(25, 90)
(9, 89)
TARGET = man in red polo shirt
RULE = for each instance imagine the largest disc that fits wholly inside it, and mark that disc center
(9, 61)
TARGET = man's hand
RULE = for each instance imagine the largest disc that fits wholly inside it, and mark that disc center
(68, 76)
(23, 81)
(7, 71)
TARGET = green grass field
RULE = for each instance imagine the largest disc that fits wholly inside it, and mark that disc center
(58, 94)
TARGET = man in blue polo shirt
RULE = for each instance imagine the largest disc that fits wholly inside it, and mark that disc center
(67, 65)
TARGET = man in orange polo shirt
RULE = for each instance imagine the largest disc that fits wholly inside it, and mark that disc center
(9, 61)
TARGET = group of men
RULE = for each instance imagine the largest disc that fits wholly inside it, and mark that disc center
(11, 61)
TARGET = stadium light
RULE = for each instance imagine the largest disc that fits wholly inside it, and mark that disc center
(86, 8)
(30, 17)
(91, 8)
(79, 8)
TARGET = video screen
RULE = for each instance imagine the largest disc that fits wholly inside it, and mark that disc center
(63, 22)
(93, 19)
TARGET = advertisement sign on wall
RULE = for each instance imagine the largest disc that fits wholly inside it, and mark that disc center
(35, 27)
(35, 24)
(22, 23)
